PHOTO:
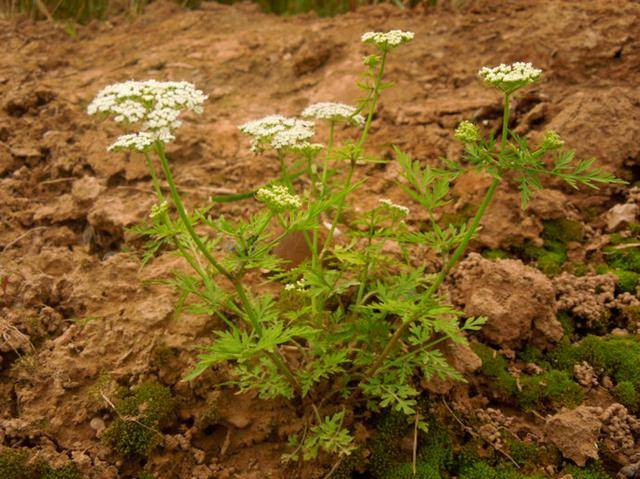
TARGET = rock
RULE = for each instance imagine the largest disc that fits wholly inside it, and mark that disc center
(575, 433)
(621, 216)
(97, 424)
(63, 208)
(86, 189)
(7, 162)
(631, 471)
(111, 215)
(518, 301)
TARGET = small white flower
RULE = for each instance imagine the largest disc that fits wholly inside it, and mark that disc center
(509, 78)
(155, 105)
(394, 208)
(334, 112)
(388, 40)
(278, 131)
(278, 199)
(142, 141)
(298, 286)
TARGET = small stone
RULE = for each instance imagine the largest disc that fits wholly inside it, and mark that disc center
(621, 216)
(97, 425)
(575, 433)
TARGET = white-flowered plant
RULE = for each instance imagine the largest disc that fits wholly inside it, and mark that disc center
(395, 208)
(154, 106)
(278, 132)
(388, 40)
(334, 113)
(509, 78)
(353, 324)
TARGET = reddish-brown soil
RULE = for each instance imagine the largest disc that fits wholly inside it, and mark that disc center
(77, 307)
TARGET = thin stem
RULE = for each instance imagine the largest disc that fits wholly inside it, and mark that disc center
(244, 299)
(167, 222)
(505, 121)
(374, 100)
(325, 165)
(458, 251)
(175, 196)
(365, 132)
(440, 278)
(365, 272)
(340, 206)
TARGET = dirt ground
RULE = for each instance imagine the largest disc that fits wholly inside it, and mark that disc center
(78, 315)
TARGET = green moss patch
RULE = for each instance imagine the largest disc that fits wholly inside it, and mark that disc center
(141, 413)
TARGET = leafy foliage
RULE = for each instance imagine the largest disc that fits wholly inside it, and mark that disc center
(367, 318)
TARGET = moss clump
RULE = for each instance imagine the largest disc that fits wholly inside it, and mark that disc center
(625, 392)
(627, 280)
(524, 453)
(568, 325)
(552, 387)
(140, 414)
(624, 262)
(13, 464)
(481, 470)
(592, 471)
(562, 231)
(496, 367)
(68, 471)
(552, 255)
(390, 461)
(548, 258)
(618, 356)
(495, 254)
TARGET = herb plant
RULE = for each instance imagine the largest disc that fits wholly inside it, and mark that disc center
(356, 324)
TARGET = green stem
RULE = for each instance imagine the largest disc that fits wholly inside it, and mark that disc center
(440, 278)
(365, 132)
(374, 100)
(167, 222)
(325, 165)
(365, 273)
(339, 207)
(456, 254)
(505, 121)
(175, 196)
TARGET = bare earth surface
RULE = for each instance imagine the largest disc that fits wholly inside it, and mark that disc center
(78, 316)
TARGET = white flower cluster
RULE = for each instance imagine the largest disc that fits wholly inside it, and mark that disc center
(298, 286)
(509, 78)
(334, 112)
(394, 208)
(156, 105)
(278, 199)
(278, 131)
(388, 40)
(142, 141)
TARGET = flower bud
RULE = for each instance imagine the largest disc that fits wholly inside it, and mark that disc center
(552, 141)
(467, 132)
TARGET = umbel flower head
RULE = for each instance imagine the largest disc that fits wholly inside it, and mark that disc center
(278, 199)
(279, 132)
(334, 112)
(394, 208)
(389, 40)
(467, 132)
(509, 78)
(155, 105)
(552, 141)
